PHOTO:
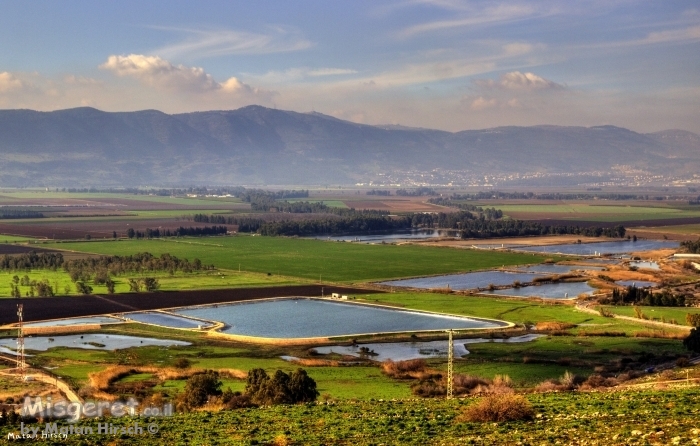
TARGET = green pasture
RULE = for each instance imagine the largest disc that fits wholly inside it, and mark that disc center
(313, 259)
(674, 229)
(329, 203)
(4, 238)
(607, 213)
(602, 418)
(204, 280)
(656, 313)
(180, 200)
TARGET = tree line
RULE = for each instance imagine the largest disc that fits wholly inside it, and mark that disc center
(418, 192)
(14, 213)
(179, 232)
(500, 195)
(646, 297)
(692, 247)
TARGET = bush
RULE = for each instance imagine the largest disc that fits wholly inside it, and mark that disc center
(692, 342)
(281, 388)
(200, 387)
(499, 407)
(413, 368)
(693, 319)
(182, 363)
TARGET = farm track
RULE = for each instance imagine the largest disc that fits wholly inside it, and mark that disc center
(42, 308)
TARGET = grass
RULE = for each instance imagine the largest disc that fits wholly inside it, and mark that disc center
(627, 417)
(657, 313)
(329, 203)
(313, 259)
(4, 238)
(673, 229)
(60, 281)
(603, 213)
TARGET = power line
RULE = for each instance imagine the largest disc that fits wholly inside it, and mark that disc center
(450, 359)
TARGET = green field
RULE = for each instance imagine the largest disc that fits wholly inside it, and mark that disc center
(605, 418)
(657, 313)
(329, 203)
(312, 259)
(4, 238)
(205, 280)
(589, 212)
(675, 229)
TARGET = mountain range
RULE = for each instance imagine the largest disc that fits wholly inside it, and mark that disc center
(258, 145)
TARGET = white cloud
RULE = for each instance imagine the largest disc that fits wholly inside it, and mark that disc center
(515, 80)
(214, 43)
(482, 103)
(153, 70)
(302, 73)
(10, 82)
(331, 72)
(491, 15)
(161, 74)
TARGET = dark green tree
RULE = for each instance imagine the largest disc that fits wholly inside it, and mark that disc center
(200, 387)
(692, 342)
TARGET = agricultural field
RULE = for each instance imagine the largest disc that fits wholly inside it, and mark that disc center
(634, 417)
(205, 280)
(593, 212)
(311, 259)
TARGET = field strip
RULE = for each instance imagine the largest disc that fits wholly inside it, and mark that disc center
(189, 243)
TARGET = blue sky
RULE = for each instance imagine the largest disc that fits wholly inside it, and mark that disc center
(447, 64)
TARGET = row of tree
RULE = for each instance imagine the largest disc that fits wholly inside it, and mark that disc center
(179, 232)
(692, 247)
(500, 195)
(260, 389)
(104, 266)
(520, 228)
(31, 260)
(417, 192)
(13, 213)
(646, 297)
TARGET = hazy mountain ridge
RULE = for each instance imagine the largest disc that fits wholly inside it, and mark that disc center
(255, 144)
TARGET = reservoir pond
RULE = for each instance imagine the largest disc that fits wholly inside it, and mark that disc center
(602, 248)
(563, 290)
(466, 281)
(166, 320)
(402, 351)
(88, 342)
(310, 318)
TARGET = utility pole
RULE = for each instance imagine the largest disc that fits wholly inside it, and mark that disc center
(21, 365)
(450, 359)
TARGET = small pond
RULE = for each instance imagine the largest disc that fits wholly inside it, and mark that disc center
(563, 290)
(166, 320)
(401, 351)
(637, 283)
(389, 236)
(101, 320)
(309, 318)
(602, 248)
(465, 281)
(646, 265)
(546, 268)
(88, 342)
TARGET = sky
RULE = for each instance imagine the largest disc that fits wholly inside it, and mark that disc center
(445, 64)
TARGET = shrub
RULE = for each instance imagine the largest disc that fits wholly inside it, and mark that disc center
(200, 387)
(280, 388)
(412, 368)
(499, 407)
(182, 363)
(693, 319)
(692, 342)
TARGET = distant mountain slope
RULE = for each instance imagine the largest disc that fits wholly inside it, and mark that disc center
(260, 145)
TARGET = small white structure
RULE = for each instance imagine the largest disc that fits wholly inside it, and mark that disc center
(344, 297)
(335, 296)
